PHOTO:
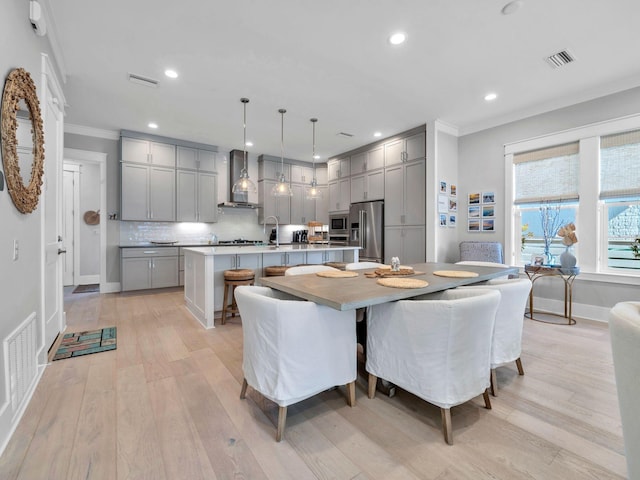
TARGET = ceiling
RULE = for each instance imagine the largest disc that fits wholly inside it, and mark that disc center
(331, 60)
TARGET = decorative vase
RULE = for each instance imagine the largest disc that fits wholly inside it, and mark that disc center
(567, 259)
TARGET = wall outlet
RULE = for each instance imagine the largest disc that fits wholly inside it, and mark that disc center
(16, 250)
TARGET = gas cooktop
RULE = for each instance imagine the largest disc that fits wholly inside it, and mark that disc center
(240, 241)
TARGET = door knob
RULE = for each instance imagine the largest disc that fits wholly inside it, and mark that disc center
(62, 250)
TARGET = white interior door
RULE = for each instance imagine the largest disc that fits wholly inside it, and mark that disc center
(70, 186)
(53, 311)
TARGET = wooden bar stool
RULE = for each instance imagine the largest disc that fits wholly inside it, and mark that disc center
(275, 270)
(233, 278)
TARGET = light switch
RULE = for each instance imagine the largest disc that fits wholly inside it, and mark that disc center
(16, 249)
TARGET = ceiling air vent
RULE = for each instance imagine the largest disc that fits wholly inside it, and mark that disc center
(344, 134)
(559, 59)
(139, 79)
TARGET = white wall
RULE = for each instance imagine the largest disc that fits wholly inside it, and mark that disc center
(20, 280)
(89, 234)
(481, 166)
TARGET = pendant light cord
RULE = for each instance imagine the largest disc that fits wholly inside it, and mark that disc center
(313, 158)
(244, 128)
(282, 112)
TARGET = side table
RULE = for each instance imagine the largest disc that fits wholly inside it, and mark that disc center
(568, 275)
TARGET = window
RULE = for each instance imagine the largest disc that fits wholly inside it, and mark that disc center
(546, 195)
(620, 192)
(591, 174)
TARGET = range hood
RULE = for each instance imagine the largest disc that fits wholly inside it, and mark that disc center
(238, 199)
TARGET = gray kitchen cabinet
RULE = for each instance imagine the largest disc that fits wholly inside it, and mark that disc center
(339, 168)
(197, 196)
(322, 174)
(271, 170)
(231, 262)
(318, 258)
(404, 187)
(196, 159)
(144, 268)
(283, 258)
(367, 161)
(136, 150)
(405, 149)
(322, 206)
(340, 195)
(367, 186)
(407, 243)
(148, 193)
(303, 210)
(280, 207)
(301, 174)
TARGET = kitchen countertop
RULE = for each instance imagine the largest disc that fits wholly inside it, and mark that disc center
(180, 244)
(251, 249)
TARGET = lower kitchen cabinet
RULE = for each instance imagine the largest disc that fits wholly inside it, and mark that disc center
(407, 243)
(144, 268)
(318, 258)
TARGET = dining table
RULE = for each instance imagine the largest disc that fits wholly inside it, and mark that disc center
(348, 293)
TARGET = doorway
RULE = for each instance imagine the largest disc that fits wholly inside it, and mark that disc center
(85, 174)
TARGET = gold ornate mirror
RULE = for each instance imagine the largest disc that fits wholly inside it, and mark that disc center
(22, 140)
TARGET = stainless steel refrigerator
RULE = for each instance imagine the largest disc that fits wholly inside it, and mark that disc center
(366, 230)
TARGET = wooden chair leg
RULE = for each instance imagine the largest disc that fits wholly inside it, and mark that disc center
(243, 391)
(446, 425)
(487, 400)
(373, 381)
(224, 304)
(494, 383)
(519, 365)
(234, 305)
(351, 394)
(282, 420)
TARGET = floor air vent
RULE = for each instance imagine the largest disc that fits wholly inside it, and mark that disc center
(560, 59)
(20, 348)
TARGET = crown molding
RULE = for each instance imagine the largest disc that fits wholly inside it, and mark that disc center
(91, 132)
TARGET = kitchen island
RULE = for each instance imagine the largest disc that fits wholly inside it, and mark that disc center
(204, 269)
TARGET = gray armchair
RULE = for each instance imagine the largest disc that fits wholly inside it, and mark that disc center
(481, 251)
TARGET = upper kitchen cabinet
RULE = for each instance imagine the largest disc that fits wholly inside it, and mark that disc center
(272, 169)
(367, 186)
(279, 207)
(367, 161)
(136, 150)
(407, 149)
(196, 159)
(197, 196)
(321, 174)
(148, 193)
(339, 168)
(300, 174)
(303, 209)
(340, 195)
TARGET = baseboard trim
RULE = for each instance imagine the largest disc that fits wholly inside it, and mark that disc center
(579, 310)
(110, 287)
(88, 279)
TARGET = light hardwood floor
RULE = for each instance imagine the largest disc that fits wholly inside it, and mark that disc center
(165, 405)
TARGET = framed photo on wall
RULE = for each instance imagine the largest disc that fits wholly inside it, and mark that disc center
(453, 205)
(443, 187)
(443, 219)
(474, 211)
(488, 211)
(474, 199)
(453, 190)
(452, 220)
(488, 197)
(473, 225)
(488, 225)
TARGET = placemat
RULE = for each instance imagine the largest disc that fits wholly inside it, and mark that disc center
(455, 273)
(337, 274)
(401, 282)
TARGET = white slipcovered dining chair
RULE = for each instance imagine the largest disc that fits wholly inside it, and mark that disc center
(506, 345)
(437, 347)
(304, 269)
(624, 325)
(294, 349)
(362, 265)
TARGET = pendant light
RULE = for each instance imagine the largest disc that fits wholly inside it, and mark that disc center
(282, 188)
(244, 183)
(313, 191)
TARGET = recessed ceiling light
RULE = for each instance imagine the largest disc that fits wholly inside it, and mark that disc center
(171, 73)
(377, 134)
(153, 125)
(316, 157)
(249, 144)
(490, 96)
(512, 7)
(397, 38)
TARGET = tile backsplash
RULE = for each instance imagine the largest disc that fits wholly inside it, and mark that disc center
(233, 223)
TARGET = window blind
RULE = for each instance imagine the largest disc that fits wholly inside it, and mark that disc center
(547, 175)
(620, 165)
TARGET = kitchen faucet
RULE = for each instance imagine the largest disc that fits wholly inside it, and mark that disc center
(264, 229)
